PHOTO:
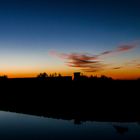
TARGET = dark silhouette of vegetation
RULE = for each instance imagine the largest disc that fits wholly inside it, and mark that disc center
(3, 77)
(86, 98)
(42, 75)
(77, 76)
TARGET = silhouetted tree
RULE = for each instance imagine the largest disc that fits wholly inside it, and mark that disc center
(42, 75)
(55, 74)
(103, 77)
(138, 79)
(59, 75)
(4, 77)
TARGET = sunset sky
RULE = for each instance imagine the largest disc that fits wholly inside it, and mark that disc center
(91, 36)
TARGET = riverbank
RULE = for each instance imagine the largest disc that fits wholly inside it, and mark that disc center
(78, 100)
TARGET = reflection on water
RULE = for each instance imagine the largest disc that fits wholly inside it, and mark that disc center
(27, 127)
(121, 129)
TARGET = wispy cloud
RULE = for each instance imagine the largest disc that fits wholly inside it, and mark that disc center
(86, 62)
(138, 66)
(106, 53)
(92, 63)
(117, 68)
(135, 63)
(125, 48)
(122, 48)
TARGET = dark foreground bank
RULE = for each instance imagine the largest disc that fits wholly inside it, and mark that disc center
(100, 100)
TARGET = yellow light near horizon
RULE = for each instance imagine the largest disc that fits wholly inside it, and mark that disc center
(23, 74)
(124, 73)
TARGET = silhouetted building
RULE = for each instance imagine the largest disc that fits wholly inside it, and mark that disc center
(77, 76)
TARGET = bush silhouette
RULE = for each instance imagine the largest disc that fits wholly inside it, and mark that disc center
(42, 75)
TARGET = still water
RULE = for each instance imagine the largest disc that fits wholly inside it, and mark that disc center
(26, 127)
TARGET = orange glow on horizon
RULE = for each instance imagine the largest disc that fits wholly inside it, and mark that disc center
(35, 73)
(115, 74)
(122, 73)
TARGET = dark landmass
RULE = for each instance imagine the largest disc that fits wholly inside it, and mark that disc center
(81, 99)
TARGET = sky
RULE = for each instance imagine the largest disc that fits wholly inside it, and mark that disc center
(95, 37)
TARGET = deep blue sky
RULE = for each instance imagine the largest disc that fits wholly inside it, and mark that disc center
(29, 29)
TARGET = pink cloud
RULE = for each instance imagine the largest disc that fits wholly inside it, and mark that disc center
(91, 63)
(84, 61)
(122, 48)
(125, 48)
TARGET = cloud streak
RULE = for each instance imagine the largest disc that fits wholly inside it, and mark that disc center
(138, 66)
(120, 49)
(125, 48)
(117, 68)
(86, 62)
(91, 63)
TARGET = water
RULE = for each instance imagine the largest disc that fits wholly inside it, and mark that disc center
(26, 127)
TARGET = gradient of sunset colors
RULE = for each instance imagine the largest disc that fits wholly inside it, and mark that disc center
(95, 37)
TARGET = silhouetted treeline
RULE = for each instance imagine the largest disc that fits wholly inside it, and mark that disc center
(4, 77)
(77, 76)
(57, 76)
(83, 98)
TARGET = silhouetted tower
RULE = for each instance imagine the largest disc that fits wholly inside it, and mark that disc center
(77, 76)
